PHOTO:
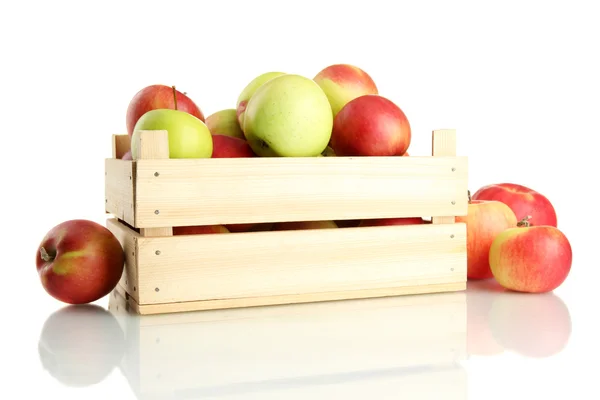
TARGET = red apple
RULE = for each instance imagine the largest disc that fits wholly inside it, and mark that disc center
(159, 97)
(127, 156)
(199, 229)
(79, 261)
(370, 125)
(484, 220)
(533, 259)
(392, 221)
(343, 83)
(230, 147)
(522, 200)
(297, 225)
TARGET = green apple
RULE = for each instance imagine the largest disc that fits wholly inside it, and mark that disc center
(225, 122)
(189, 137)
(249, 90)
(288, 116)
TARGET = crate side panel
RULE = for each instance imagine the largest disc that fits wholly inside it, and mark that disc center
(129, 241)
(243, 265)
(237, 190)
(119, 189)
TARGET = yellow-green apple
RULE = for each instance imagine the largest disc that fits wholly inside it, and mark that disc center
(199, 229)
(298, 225)
(79, 261)
(484, 221)
(230, 147)
(522, 200)
(155, 97)
(392, 221)
(370, 125)
(248, 91)
(225, 122)
(80, 345)
(189, 137)
(535, 326)
(532, 259)
(343, 83)
(127, 155)
(288, 116)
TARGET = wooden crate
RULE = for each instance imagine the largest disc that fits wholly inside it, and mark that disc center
(166, 273)
(346, 349)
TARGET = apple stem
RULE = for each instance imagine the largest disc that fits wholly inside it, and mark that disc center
(45, 256)
(469, 194)
(174, 96)
(524, 222)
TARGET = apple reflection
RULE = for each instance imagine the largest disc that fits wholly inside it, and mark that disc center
(499, 320)
(406, 346)
(80, 345)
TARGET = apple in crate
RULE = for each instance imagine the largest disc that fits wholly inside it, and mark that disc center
(79, 261)
(199, 229)
(533, 259)
(230, 147)
(522, 200)
(189, 137)
(298, 225)
(225, 122)
(343, 83)
(155, 97)
(288, 116)
(392, 221)
(484, 220)
(249, 90)
(370, 125)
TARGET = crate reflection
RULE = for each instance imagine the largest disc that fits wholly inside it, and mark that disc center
(397, 346)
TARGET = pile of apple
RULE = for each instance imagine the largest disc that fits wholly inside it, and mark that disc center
(512, 233)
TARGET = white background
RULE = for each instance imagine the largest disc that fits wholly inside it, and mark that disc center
(519, 80)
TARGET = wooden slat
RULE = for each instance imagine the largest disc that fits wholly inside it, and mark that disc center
(129, 241)
(443, 143)
(152, 145)
(247, 190)
(119, 189)
(257, 264)
(120, 145)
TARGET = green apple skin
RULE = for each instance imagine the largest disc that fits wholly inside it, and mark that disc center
(248, 91)
(225, 122)
(189, 137)
(289, 116)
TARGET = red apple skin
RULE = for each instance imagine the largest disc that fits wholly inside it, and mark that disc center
(230, 147)
(484, 220)
(370, 125)
(297, 225)
(199, 229)
(392, 221)
(522, 200)
(343, 83)
(531, 259)
(159, 97)
(84, 261)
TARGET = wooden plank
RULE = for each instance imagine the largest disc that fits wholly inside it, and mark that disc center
(152, 145)
(302, 263)
(443, 144)
(119, 192)
(129, 241)
(121, 144)
(248, 190)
